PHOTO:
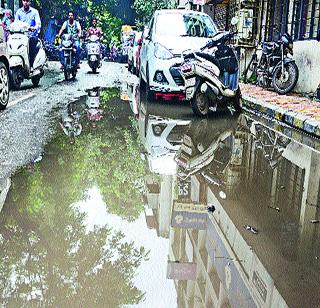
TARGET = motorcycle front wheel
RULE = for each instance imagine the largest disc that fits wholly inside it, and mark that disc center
(200, 103)
(284, 82)
(66, 75)
(74, 74)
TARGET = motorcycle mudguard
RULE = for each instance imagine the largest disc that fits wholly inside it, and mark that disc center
(93, 58)
(15, 61)
(286, 60)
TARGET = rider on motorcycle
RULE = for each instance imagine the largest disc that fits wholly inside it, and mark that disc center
(30, 16)
(94, 30)
(71, 26)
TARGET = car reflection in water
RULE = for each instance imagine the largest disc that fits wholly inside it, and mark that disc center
(254, 176)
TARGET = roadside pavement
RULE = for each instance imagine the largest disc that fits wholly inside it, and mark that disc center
(292, 109)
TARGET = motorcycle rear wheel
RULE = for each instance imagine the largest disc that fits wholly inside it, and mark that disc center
(284, 83)
(200, 103)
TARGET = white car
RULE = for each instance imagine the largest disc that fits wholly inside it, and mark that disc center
(170, 33)
(132, 52)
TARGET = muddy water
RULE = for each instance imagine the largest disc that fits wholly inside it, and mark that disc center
(141, 204)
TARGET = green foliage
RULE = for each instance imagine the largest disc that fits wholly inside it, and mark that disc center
(145, 8)
(85, 10)
(111, 25)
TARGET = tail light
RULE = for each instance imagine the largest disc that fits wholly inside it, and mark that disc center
(186, 68)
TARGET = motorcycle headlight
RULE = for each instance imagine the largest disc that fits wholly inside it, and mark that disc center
(161, 52)
(67, 44)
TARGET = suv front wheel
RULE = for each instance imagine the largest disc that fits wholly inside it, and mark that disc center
(4, 86)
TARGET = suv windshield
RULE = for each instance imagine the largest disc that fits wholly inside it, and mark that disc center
(185, 25)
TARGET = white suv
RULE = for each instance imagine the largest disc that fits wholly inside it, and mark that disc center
(170, 33)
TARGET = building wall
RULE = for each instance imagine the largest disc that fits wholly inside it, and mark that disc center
(307, 56)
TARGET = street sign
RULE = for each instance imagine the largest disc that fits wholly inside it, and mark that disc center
(181, 270)
(190, 207)
(189, 215)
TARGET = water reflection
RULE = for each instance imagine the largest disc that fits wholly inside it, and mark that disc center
(254, 176)
(49, 257)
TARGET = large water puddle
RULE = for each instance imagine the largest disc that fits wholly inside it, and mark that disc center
(141, 204)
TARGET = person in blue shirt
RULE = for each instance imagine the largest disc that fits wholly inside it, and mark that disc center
(72, 26)
(30, 16)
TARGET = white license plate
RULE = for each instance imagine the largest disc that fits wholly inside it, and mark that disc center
(190, 82)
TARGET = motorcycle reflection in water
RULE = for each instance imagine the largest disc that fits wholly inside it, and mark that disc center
(200, 150)
(270, 143)
(94, 113)
(220, 154)
(70, 122)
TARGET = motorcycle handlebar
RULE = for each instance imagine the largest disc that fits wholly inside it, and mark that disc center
(213, 43)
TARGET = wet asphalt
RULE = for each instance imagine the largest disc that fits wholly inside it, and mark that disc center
(27, 122)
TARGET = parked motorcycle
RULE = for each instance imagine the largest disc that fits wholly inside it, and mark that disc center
(212, 75)
(19, 57)
(272, 65)
(69, 55)
(94, 52)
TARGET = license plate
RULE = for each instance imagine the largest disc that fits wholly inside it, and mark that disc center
(190, 82)
(93, 58)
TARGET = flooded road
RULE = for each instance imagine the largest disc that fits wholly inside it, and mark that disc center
(137, 203)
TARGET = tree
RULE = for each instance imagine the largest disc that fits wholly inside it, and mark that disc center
(145, 8)
(85, 10)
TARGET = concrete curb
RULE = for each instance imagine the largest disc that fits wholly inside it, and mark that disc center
(295, 119)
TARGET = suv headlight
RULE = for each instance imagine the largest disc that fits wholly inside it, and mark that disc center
(161, 52)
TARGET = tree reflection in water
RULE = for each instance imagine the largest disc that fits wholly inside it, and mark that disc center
(48, 255)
